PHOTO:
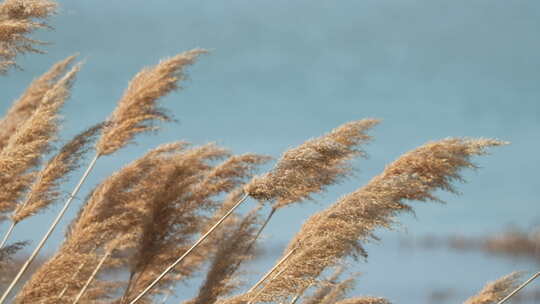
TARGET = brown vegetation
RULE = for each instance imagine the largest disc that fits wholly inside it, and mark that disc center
(124, 245)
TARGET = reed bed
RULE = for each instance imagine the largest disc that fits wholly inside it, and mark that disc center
(172, 214)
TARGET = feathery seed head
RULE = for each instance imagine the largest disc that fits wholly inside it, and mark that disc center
(312, 166)
(26, 147)
(137, 110)
(16, 21)
(339, 230)
(45, 190)
(364, 300)
(32, 97)
(496, 290)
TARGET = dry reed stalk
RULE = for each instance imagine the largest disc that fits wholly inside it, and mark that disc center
(45, 189)
(109, 210)
(312, 166)
(338, 291)
(75, 274)
(496, 290)
(364, 300)
(221, 277)
(137, 109)
(19, 18)
(23, 108)
(323, 288)
(301, 171)
(93, 274)
(520, 287)
(134, 114)
(178, 216)
(26, 147)
(337, 232)
(34, 139)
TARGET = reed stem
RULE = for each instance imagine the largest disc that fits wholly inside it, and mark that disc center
(180, 259)
(272, 270)
(519, 288)
(7, 235)
(92, 276)
(248, 248)
(61, 294)
(264, 287)
(50, 231)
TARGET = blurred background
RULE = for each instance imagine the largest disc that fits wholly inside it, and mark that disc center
(281, 72)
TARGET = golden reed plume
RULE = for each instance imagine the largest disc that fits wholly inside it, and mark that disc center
(137, 109)
(23, 108)
(45, 190)
(19, 18)
(26, 147)
(312, 166)
(364, 300)
(337, 232)
(496, 290)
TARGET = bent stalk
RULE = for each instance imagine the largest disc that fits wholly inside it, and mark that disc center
(180, 259)
(520, 287)
(92, 276)
(7, 235)
(50, 231)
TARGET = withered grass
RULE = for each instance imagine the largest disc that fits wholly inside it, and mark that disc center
(137, 222)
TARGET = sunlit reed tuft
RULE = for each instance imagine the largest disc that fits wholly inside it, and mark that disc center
(496, 290)
(137, 110)
(312, 166)
(364, 300)
(23, 108)
(45, 190)
(31, 141)
(18, 18)
(339, 231)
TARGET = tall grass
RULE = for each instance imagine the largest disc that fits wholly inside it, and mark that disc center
(164, 217)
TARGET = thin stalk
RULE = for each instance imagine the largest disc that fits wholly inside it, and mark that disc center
(14, 223)
(295, 299)
(49, 232)
(264, 287)
(128, 287)
(180, 259)
(166, 297)
(8, 233)
(248, 248)
(519, 288)
(92, 276)
(61, 294)
(261, 229)
(301, 293)
(272, 270)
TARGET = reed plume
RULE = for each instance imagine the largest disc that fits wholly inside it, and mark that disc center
(111, 209)
(323, 288)
(337, 292)
(45, 190)
(221, 278)
(339, 231)
(30, 142)
(179, 215)
(18, 18)
(364, 300)
(135, 113)
(23, 108)
(312, 166)
(137, 109)
(496, 290)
